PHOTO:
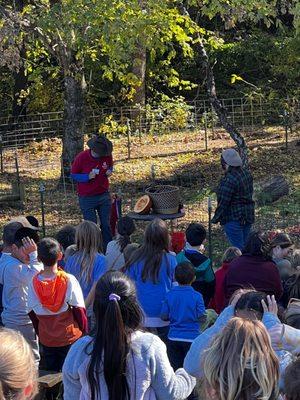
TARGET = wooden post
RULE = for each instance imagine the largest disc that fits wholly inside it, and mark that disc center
(128, 139)
(205, 131)
(286, 127)
(210, 247)
(42, 190)
(1, 155)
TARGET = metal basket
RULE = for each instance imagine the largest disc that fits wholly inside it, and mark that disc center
(165, 198)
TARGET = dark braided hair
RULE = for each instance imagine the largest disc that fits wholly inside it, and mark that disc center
(125, 228)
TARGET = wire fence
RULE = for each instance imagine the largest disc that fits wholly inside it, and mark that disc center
(248, 115)
(30, 157)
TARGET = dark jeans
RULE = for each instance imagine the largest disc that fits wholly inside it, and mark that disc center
(101, 204)
(237, 233)
(54, 357)
(176, 353)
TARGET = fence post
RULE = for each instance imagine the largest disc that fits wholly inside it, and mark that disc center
(17, 169)
(128, 139)
(286, 127)
(210, 247)
(205, 131)
(1, 154)
(42, 190)
(153, 175)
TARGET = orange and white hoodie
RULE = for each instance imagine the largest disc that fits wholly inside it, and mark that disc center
(57, 310)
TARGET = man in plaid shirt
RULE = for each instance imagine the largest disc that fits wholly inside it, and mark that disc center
(235, 210)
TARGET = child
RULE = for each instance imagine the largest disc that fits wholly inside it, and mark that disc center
(218, 302)
(88, 263)
(184, 308)
(205, 278)
(20, 267)
(66, 238)
(120, 361)
(241, 364)
(292, 381)
(115, 248)
(18, 374)
(8, 237)
(56, 306)
(152, 268)
(282, 247)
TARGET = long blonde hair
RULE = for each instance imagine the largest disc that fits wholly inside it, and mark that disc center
(17, 368)
(241, 364)
(88, 243)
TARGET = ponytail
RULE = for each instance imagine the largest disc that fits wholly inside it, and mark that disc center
(117, 315)
(123, 241)
(125, 228)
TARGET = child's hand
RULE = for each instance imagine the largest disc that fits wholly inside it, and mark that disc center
(29, 245)
(272, 305)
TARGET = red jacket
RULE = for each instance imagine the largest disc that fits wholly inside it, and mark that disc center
(256, 272)
(218, 302)
(83, 164)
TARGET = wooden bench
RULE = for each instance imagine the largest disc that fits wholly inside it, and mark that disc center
(49, 385)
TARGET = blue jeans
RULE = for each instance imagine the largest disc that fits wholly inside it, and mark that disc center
(237, 233)
(101, 204)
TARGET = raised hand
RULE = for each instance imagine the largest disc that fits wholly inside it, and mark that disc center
(271, 305)
(29, 245)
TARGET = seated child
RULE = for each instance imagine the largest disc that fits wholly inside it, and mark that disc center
(205, 277)
(292, 381)
(56, 306)
(18, 373)
(115, 249)
(20, 267)
(184, 308)
(66, 238)
(218, 302)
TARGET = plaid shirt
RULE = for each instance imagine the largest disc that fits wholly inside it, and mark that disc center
(234, 195)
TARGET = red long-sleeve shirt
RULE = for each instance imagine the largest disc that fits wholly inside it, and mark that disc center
(83, 164)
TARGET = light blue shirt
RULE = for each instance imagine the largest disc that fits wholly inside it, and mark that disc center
(194, 359)
(73, 267)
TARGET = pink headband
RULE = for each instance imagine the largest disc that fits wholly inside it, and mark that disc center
(114, 297)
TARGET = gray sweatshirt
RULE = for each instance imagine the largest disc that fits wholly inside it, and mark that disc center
(149, 373)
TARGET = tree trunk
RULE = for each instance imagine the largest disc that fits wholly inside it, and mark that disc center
(272, 189)
(218, 107)
(139, 70)
(20, 83)
(73, 124)
(20, 78)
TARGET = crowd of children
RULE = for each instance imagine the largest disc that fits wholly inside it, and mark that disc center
(142, 322)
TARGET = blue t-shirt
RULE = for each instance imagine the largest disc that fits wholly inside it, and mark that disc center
(73, 267)
(151, 295)
(183, 306)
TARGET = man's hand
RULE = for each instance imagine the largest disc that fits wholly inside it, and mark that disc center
(29, 245)
(92, 175)
(108, 173)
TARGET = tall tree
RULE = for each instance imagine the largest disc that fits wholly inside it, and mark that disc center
(72, 31)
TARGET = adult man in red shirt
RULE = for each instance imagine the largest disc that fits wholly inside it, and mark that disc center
(91, 170)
